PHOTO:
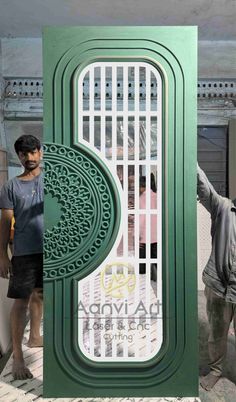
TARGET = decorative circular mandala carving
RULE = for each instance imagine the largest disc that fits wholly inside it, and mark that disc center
(80, 212)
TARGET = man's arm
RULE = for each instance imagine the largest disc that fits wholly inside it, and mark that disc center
(206, 192)
(5, 230)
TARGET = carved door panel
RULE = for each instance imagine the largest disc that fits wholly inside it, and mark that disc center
(120, 214)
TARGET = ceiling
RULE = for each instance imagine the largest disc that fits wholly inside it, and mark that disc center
(25, 18)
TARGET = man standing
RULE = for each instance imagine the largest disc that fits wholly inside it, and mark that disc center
(22, 197)
(219, 276)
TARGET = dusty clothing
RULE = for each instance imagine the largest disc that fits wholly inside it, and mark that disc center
(27, 274)
(220, 271)
(220, 314)
(26, 200)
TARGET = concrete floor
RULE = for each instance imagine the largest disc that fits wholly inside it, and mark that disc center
(224, 390)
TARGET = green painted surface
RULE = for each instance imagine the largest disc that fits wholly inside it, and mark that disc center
(53, 211)
(88, 207)
(173, 372)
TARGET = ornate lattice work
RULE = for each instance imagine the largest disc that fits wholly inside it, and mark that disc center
(80, 211)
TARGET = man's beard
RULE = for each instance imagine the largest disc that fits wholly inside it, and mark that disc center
(31, 165)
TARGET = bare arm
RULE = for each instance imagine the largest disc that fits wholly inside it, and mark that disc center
(5, 230)
(206, 192)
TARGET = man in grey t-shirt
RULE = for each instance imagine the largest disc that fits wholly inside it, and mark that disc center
(22, 198)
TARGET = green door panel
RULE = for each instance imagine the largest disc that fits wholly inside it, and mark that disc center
(84, 211)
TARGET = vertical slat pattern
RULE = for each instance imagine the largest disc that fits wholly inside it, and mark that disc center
(159, 208)
(147, 212)
(129, 157)
(102, 321)
(80, 108)
(125, 158)
(125, 324)
(91, 106)
(125, 211)
(114, 110)
(136, 233)
(103, 107)
(114, 321)
(148, 243)
(91, 320)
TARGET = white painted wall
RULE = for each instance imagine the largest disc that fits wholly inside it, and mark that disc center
(22, 57)
(217, 59)
(26, 18)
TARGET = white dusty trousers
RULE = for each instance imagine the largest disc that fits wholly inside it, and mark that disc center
(220, 314)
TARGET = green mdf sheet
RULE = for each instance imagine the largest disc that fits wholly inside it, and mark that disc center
(120, 266)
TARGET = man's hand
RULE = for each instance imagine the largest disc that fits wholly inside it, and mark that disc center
(5, 229)
(5, 266)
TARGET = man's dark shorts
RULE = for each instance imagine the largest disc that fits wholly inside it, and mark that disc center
(27, 274)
